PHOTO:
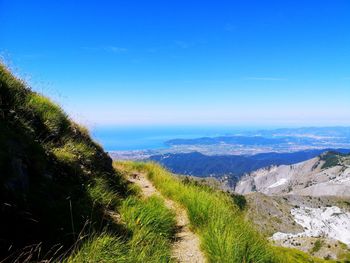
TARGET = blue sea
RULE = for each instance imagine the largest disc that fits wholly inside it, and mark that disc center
(117, 138)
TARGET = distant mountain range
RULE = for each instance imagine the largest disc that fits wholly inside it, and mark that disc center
(233, 167)
(299, 136)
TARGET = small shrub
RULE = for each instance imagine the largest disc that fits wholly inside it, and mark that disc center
(317, 246)
(101, 193)
(239, 200)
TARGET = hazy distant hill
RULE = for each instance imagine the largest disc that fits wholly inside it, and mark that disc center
(338, 132)
(244, 140)
(298, 136)
(234, 166)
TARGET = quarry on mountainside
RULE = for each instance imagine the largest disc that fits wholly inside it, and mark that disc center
(326, 175)
(300, 222)
(327, 226)
(331, 222)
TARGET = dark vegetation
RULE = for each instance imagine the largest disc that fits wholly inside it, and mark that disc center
(232, 166)
(317, 246)
(331, 159)
(239, 200)
(51, 175)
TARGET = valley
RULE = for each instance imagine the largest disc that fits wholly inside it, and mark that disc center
(298, 199)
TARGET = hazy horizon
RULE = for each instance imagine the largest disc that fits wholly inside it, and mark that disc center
(129, 138)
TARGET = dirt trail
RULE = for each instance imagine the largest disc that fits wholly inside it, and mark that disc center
(186, 244)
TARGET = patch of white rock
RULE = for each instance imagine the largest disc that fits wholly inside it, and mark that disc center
(329, 222)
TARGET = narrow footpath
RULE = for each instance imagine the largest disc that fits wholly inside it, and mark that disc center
(186, 247)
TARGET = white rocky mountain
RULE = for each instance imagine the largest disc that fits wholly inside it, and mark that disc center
(326, 175)
(305, 205)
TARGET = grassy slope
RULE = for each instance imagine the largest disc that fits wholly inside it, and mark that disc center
(150, 225)
(58, 188)
(50, 173)
(225, 235)
(148, 229)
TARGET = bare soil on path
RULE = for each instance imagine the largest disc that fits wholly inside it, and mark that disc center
(186, 246)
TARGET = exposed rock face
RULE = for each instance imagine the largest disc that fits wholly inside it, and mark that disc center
(317, 225)
(326, 231)
(303, 206)
(330, 222)
(315, 177)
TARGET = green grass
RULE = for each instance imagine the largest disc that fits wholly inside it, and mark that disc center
(150, 213)
(102, 194)
(50, 114)
(103, 247)
(150, 225)
(296, 256)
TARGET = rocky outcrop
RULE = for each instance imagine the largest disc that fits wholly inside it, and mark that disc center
(328, 174)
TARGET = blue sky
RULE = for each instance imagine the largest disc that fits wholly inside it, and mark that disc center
(282, 63)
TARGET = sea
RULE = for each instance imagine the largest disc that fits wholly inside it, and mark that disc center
(127, 138)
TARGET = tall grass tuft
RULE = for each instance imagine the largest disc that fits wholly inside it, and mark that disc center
(151, 226)
(51, 115)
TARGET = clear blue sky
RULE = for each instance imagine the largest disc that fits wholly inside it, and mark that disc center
(185, 62)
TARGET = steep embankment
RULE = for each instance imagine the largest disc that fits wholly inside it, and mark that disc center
(51, 174)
